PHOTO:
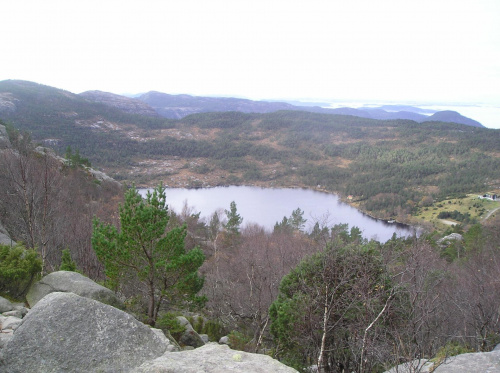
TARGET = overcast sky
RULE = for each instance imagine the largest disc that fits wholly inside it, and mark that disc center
(396, 50)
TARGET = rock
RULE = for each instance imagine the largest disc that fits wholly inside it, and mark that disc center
(224, 340)
(445, 241)
(213, 358)
(5, 337)
(189, 337)
(422, 366)
(170, 342)
(101, 176)
(21, 309)
(65, 332)
(10, 322)
(464, 363)
(471, 362)
(204, 338)
(15, 313)
(5, 305)
(66, 281)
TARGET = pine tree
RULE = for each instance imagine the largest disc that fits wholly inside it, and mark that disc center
(67, 264)
(234, 220)
(144, 246)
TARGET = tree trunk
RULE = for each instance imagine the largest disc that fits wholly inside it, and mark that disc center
(321, 357)
(151, 306)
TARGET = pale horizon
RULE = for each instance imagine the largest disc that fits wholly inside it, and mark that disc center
(430, 51)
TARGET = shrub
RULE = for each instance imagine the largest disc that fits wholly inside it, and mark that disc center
(67, 264)
(214, 330)
(169, 322)
(198, 325)
(238, 341)
(19, 267)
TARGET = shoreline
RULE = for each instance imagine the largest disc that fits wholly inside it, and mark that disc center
(416, 228)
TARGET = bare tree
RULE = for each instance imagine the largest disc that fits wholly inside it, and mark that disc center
(243, 279)
(421, 275)
(32, 181)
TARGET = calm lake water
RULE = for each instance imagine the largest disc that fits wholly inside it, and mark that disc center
(266, 206)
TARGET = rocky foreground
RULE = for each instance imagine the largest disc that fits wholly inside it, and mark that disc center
(69, 329)
(66, 332)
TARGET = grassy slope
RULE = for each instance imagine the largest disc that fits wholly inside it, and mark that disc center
(479, 209)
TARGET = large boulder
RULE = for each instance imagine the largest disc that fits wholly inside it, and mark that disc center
(67, 281)
(190, 337)
(168, 340)
(68, 333)
(213, 358)
(5, 305)
(464, 363)
(447, 240)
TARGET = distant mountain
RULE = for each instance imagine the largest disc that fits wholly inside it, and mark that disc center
(54, 114)
(126, 104)
(452, 117)
(378, 113)
(28, 102)
(179, 106)
(412, 109)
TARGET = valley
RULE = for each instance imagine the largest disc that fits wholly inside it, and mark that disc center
(391, 168)
(251, 282)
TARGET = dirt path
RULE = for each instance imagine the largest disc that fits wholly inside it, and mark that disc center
(448, 222)
(490, 213)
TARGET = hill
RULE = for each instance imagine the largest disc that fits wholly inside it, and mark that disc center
(389, 167)
(179, 106)
(452, 117)
(126, 104)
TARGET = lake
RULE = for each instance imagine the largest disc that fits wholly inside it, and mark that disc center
(266, 206)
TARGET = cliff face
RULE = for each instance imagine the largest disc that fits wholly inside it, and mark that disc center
(126, 104)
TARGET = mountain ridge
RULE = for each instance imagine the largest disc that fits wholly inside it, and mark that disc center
(179, 106)
(156, 104)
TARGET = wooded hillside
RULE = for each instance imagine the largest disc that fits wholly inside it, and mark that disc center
(389, 166)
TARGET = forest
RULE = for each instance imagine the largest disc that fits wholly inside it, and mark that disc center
(327, 297)
(389, 166)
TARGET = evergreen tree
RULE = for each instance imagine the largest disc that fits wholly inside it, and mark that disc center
(145, 247)
(67, 264)
(234, 220)
(297, 220)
